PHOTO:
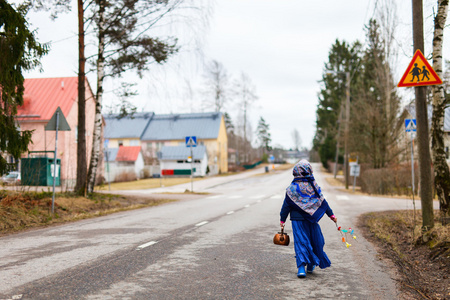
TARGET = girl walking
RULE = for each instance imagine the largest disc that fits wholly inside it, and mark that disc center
(306, 205)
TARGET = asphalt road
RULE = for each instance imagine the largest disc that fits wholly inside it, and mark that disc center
(214, 246)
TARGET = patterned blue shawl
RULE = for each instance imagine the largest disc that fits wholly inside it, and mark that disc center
(304, 190)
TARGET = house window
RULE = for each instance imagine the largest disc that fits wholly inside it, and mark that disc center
(76, 134)
(134, 143)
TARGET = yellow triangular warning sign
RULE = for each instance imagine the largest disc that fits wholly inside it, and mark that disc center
(419, 73)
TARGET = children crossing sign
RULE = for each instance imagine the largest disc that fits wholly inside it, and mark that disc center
(419, 73)
(191, 141)
(410, 125)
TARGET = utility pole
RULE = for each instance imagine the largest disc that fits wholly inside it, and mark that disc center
(347, 125)
(425, 178)
(337, 141)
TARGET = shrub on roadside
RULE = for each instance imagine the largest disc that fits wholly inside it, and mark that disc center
(125, 176)
(389, 181)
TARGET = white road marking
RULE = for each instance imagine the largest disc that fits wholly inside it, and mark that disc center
(230, 212)
(341, 197)
(213, 197)
(201, 223)
(275, 197)
(235, 197)
(146, 245)
(258, 201)
(248, 205)
(257, 197)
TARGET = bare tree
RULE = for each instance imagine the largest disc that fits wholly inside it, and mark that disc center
(80, 186)
(296, 138)
(124, 45)
(217, 86)
(246, 94)
(441, 169)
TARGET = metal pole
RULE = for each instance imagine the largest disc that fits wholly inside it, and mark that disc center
(192, 171)
(412, 173)
(54, 163)
(107, 169)
(354, 174)
(347, 121)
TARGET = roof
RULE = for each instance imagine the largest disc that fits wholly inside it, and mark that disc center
(132, 126)
(128, 153)
(42, 97)
(182, 152)
(179, 126)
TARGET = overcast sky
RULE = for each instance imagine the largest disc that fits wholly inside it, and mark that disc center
(282, 45)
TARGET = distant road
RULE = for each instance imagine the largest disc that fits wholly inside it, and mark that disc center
(213, 246)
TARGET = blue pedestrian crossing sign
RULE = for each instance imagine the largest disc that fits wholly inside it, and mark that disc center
(191, 141)
(410, 125)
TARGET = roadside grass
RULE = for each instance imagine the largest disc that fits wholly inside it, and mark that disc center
(423, 264)
(21, 211)
(142, 184)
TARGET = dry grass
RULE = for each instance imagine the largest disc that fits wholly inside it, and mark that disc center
(143, 184)
(424, 266)
(21, 211)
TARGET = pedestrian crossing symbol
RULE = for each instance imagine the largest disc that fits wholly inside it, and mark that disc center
(191, 141)
(410, 125)
(419, 73)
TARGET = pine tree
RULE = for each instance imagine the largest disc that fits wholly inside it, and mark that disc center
(19, 51)
(342, 58)
(263, 134)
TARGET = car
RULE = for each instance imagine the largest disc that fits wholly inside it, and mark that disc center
(12, 178)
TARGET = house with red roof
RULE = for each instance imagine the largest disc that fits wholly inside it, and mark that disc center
(124, 163)
(42, 97)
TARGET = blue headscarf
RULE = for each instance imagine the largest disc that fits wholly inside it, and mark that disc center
(304, 191)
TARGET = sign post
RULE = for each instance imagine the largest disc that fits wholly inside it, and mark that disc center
(355, 169)
(57, 122)
(105, 146)
(410, 125)
(191, 141)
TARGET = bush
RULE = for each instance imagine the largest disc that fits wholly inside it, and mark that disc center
(389, 181)
(125, 176)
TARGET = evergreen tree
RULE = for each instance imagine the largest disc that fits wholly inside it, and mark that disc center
(342, 58)
(262, 131)
(19, 51)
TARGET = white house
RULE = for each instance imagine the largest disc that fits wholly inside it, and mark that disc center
(175, 160)
(122, 162)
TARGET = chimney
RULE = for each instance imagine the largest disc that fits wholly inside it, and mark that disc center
(62, 85)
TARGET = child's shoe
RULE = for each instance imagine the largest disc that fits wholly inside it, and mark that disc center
(301, 272)
(310, 268)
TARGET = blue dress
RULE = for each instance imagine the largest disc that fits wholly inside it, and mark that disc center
(308, 237)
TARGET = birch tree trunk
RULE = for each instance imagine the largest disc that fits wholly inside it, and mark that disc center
(98, 124)
(441, 170)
